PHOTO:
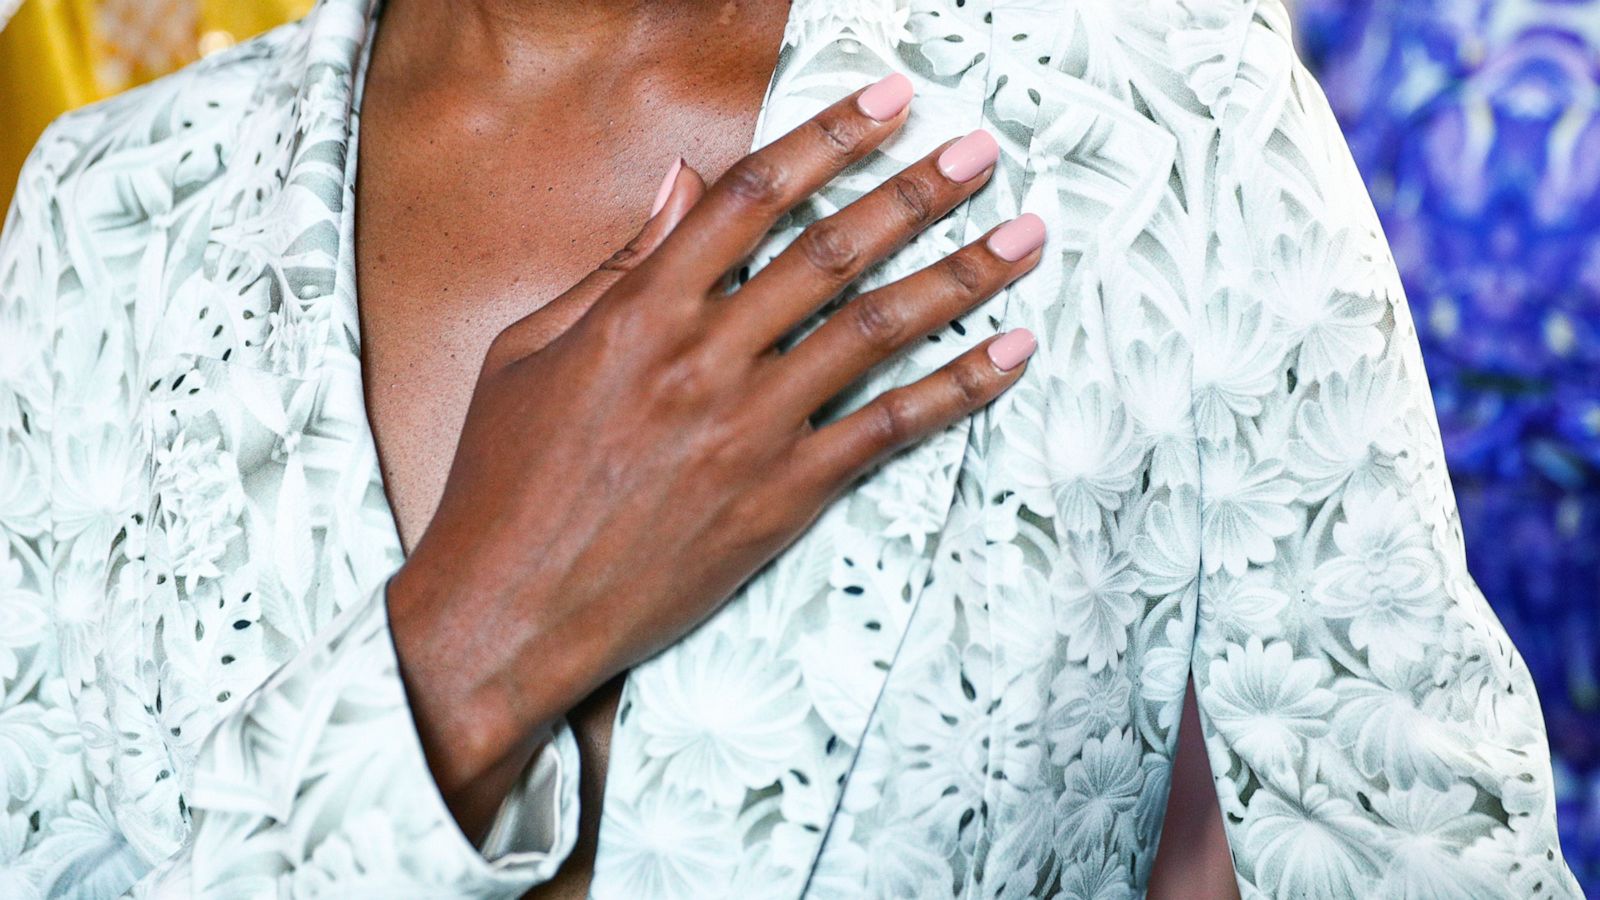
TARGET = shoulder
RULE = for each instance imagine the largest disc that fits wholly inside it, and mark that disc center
(117, 202)
(1164, 44)
(1176, 62)
(168, 128)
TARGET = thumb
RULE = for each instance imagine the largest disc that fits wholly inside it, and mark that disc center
(679, 191)
(682, 188)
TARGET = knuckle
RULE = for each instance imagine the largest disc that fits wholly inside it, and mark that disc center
(688, 380)
(971, 387)
(893, 420)
(723, 447)
(836, 135)
(625, 259)
(914, 196)
(829, 250)
(755, 180)
(963, 273)
(761, 522)
(876, 322)
(616, 469)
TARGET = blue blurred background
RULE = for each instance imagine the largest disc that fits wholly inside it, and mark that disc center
(1477, 126)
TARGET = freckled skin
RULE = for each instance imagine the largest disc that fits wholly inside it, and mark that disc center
(507, 149)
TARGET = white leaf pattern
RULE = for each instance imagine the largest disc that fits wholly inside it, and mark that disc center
(964, 680)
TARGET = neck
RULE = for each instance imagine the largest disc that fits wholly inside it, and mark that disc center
(546, 24)
(520, 39)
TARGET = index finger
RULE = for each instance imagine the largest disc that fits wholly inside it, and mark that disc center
(738, 210)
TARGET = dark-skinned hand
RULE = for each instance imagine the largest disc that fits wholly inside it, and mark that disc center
(636, 449)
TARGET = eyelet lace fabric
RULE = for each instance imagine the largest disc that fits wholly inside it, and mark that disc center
(964, 680)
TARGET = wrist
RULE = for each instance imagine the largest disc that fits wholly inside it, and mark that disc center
(486, 680)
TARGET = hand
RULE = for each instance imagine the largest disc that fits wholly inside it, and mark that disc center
(637, 449)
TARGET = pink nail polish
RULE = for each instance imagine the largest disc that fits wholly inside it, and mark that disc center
(1017, 238)
(1012, 348)
(665, 190)
(963, 160)
(884, 100)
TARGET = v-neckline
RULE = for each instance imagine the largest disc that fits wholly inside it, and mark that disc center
(826, 46)
(787, 44)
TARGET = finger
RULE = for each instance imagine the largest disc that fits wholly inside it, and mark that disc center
(875, 325)
(741, 206)
(835, 455)
(834, 251)
(679, 191)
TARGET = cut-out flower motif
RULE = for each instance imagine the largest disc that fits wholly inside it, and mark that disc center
(1094, 603)
(1077, 453)
(1096, 803)
(1431, 828)
(1267, 704)
(1236, 359)
(1084, 705)
(1325, 297)
(1247, 507)
(202, 500)
(1385, 578)
(667, 844)
(721, 721)
(944, 729)
(1351, 435)
(96, 485)
(1157, 389)
(1318, 845)
(1390, 735)
(22, 491)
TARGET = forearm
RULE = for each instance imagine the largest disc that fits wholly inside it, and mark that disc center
(480, 713)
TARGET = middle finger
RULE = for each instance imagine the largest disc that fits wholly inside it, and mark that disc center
(834, 251)
(879, 323)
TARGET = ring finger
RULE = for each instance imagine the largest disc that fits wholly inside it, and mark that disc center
(832, 252)
(875, 325)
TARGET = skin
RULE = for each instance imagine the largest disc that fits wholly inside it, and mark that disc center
(1193, 860)
(676, 458)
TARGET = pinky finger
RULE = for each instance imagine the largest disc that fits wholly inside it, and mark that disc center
(837, 454)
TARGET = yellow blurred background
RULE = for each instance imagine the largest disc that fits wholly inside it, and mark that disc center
(59, 54)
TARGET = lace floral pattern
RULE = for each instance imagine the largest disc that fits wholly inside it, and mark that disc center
(1497, 249)
(964, 680)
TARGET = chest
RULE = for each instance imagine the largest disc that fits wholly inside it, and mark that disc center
(470, 218)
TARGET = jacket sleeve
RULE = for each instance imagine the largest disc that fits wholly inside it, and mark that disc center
(1372, 731)
(317, 787)
(43, 778)
(57, 830)
(314, 785)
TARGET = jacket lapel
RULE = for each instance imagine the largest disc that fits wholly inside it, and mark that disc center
(270, 271)
(931, 769)
(741, 736)
(254, 356)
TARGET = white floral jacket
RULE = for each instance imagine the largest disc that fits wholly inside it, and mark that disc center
(964, 680)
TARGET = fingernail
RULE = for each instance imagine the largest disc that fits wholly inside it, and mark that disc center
(666, 187)
(1017, 238)
(884, 100)
(964, 159)
(1012, 348)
